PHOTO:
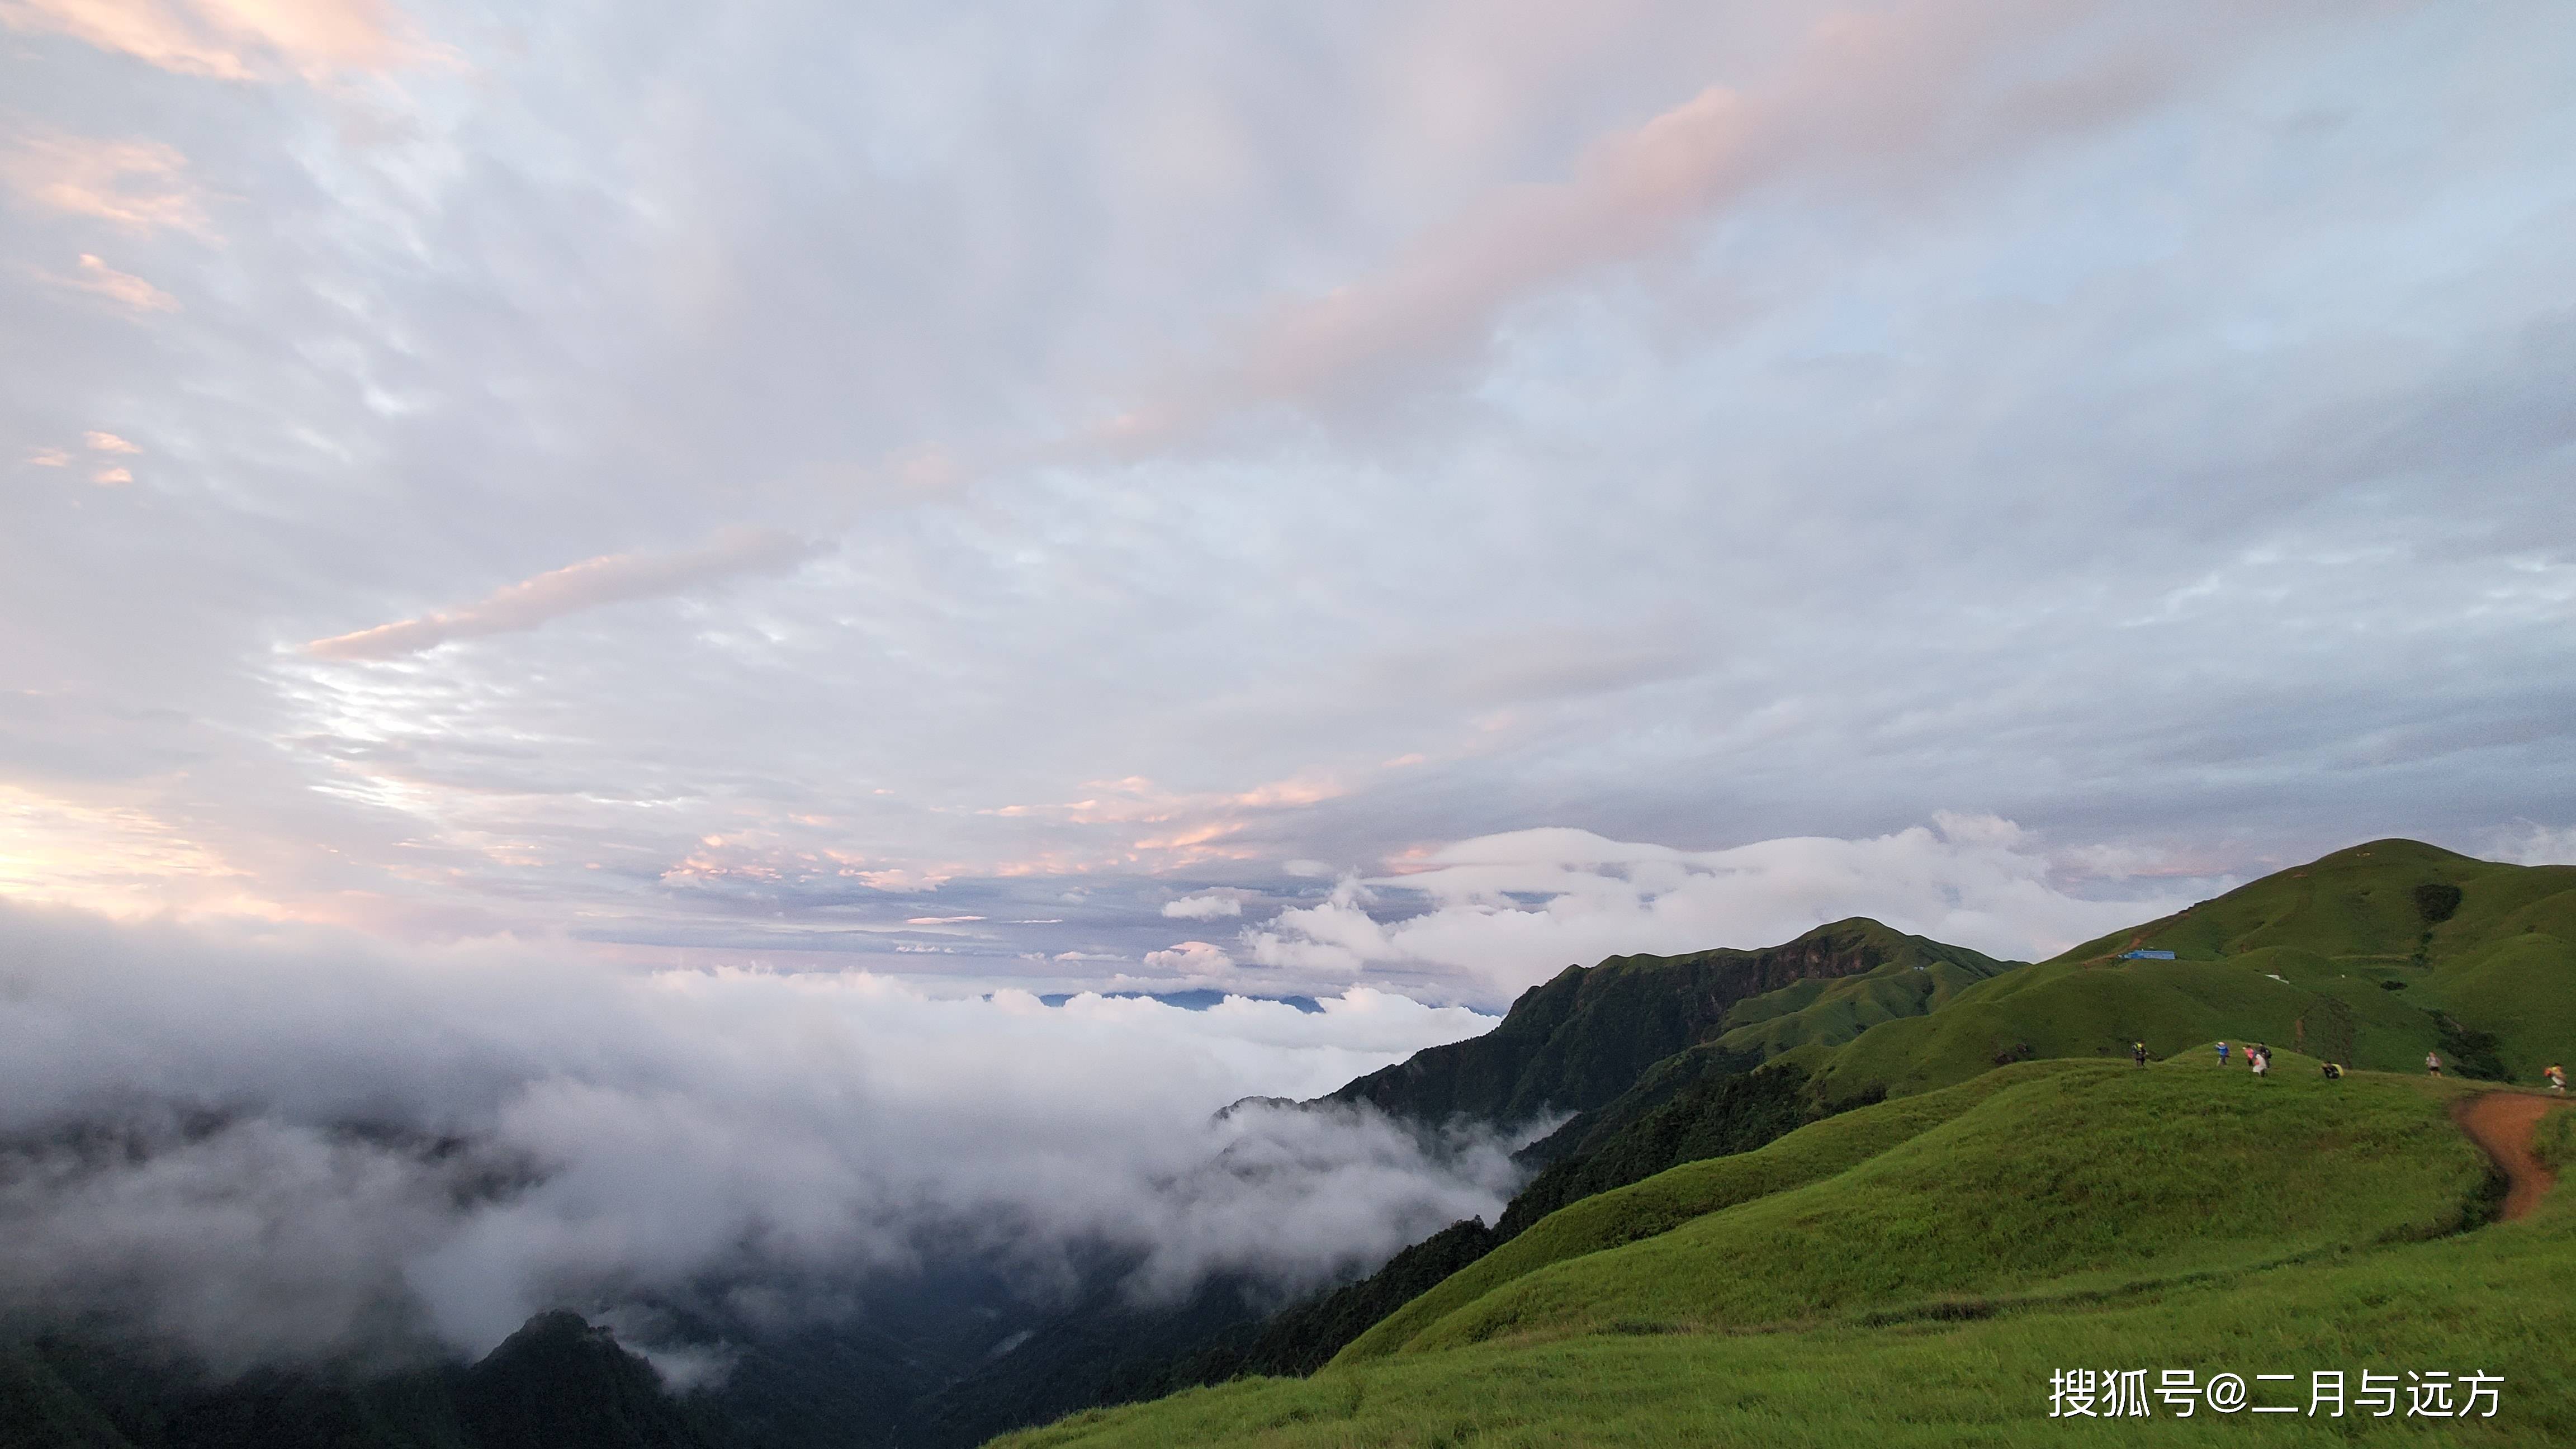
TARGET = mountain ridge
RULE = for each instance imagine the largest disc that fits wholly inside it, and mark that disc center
(2393, 906)
(1578, 1040)
(2370, 955)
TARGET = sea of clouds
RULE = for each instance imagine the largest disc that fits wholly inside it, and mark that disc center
(263, 1143)
(278, 1145)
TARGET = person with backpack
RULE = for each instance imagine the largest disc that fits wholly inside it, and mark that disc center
(2433, 1063)
(2259, 1058)
(2557, 1076)
(2334, 1071)
(2138, 1049)
(2222, 1054)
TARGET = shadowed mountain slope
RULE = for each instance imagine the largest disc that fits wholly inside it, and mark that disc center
(557, 1383)
(1581, 1039)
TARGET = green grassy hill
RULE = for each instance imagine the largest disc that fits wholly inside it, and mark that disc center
(2024, 1200)
(2078, 1179)
(1669, 1199)
(1798, 1023)
(1582, 1039)
(2304, 959)
(2057, 1215)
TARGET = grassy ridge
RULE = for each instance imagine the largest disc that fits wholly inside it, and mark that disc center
(1666, 1201)
(2303, 959)
(2500, 1299)
(1797, 1023)
(2078, 1211)
(2080, 1179)
(1584, 1037)
(1829, 1013)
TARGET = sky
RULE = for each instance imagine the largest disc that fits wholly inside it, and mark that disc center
(600, 605)
(1295, 498)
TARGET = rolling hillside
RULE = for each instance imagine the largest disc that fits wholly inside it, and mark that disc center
(1858, 1188)
(2010, 1196)
(2069, 1215)
(2339, 958)
(2079, 1177)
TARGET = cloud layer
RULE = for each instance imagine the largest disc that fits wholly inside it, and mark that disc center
(283, 1147)
(650, 479)
(1494, 915)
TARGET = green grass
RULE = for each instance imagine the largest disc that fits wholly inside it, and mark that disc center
(2555, 1143)
(2078, 1180)
(1912, 1273)
(2298, 959)
(2356, 902)
(1669, 1199)
(2498, 1301)
(2278, 1169)
(1831, 1012)
(2522, 988)
(1581, 1039)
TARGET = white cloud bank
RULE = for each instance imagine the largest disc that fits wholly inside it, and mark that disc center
(279, 1147)
(1510, 910)
(1206, 906)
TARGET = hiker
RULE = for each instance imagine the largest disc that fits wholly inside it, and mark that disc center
(2222, 1054)
(2138, 1049)
(2433, 1063)
(2259, 1058)
(2334, 1071)
(2557, 1076)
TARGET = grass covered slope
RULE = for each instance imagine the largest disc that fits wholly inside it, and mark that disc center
(1798, 1023)
(1829, 1013)
(2302, 958)
(1668, 1200)
(1583, 1038)
(2088, 1178)
(2315, 1197)
(1912, 1272)
(2507, 1306)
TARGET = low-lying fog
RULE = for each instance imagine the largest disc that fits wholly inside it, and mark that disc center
(294, 1146)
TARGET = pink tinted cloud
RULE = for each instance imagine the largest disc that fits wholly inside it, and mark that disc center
(234, 39)
(1886, 99)
(608, 579)
(138, 186)
(123, 288)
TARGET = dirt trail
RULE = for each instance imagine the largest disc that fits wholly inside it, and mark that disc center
(2502, 1123)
